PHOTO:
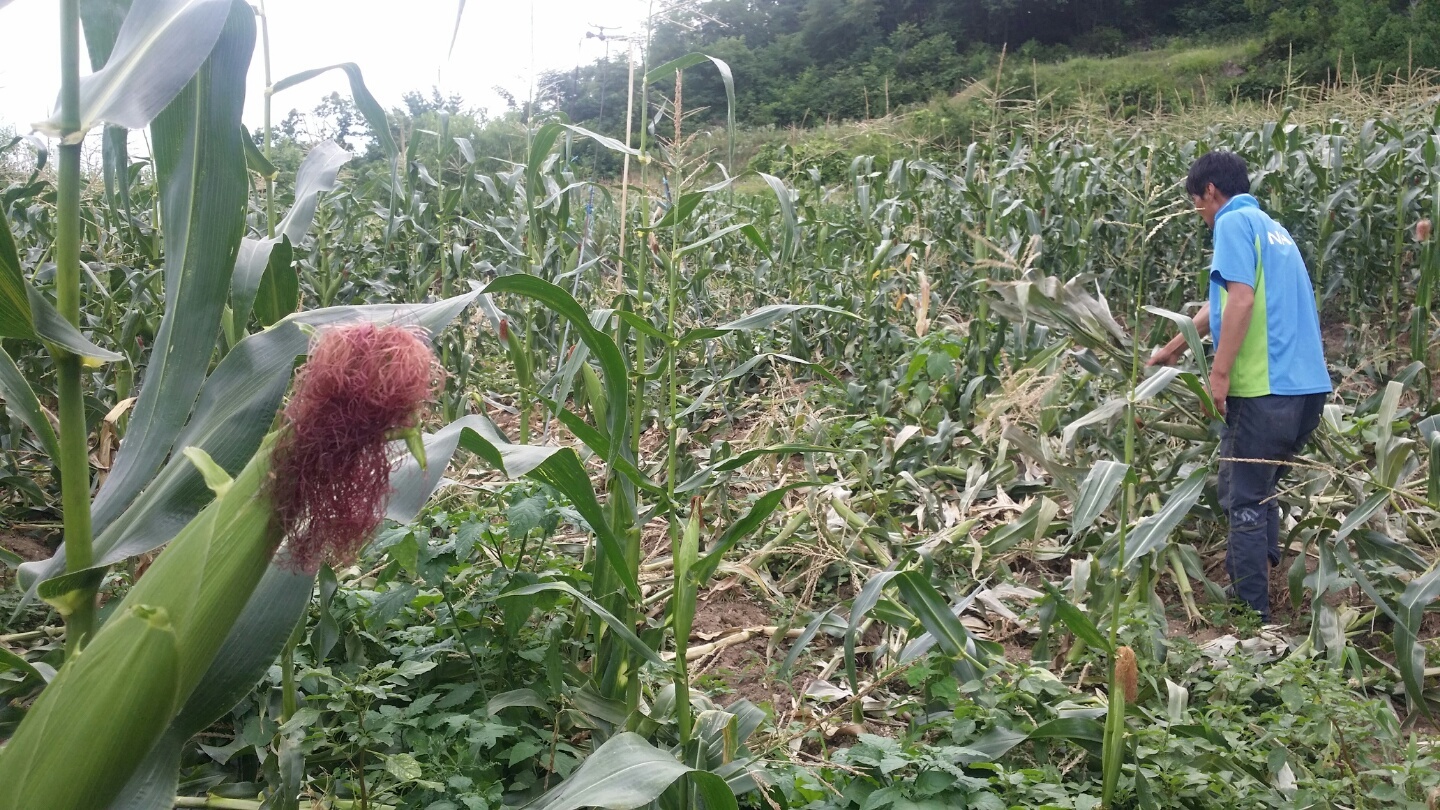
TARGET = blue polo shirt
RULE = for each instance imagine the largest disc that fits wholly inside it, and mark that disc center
(1282, 353)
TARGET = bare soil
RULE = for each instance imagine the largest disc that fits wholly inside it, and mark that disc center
(744, 670)
(28, 548)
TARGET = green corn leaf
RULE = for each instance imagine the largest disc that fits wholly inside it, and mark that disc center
(745, 526)
(1361, 514)
(1146, 390)
(413, 486)
(1096, 493)
(1186, 325)
(21, 403)
(1153, 531)
(249, 649)
(714, 237)
(1082, 731)
(26, 313)
(373, 114)
(789, 223)
(749, 365)
(618, 627)
(41, 672)
(689, 60)
(1410, 651)
(600, 446)
(255, 159)
(317, 174)
(279, 292)
(158, 50)
(699, 479)
(201, 169)
(761, 318)
(365, 102)
(804, 640)
(680, 211)
(612, 363)
(943, 624)
(863, 603)
(1078, 622)
(15, 317)
(51, 326)
(102, 20)
(156, 780)
(558, 467)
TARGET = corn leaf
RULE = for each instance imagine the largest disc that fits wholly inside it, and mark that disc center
(1410, 652)
(50, 325)
(15, 317)
(761, 318)
(746, 525)
(617, 626)
(158, 50)
(863, 603)
(102, 20)
(689, 60)
(612, 363)
(804, 639)
(1186, 325)
(316, 175)
(558, 467)
(21, 403)
(1096, 492)
(1153, 531)
(201, 169)
(1078, 623)
(943, 624)
(25, 313)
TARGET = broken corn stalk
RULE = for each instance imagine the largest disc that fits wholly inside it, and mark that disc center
(108, 705)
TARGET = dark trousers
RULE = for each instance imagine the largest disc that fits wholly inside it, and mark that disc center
(1268, 429)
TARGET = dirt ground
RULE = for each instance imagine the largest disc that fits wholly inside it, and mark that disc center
(28, 548)
(743, 670)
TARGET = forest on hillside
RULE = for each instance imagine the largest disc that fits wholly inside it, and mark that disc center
(802, 61)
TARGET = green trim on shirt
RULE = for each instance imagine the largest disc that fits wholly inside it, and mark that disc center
(1251, 375)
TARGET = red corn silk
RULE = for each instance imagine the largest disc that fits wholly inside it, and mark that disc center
(330, 473)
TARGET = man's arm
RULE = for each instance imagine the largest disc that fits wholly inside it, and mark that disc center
(1239, 305)
(1169, 354)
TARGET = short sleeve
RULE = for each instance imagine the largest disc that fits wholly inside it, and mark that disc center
(1235, 258)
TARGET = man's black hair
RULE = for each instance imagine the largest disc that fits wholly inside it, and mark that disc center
(1225, 169)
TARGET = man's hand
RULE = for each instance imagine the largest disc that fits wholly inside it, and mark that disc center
(1219, 390)
(1165, 356)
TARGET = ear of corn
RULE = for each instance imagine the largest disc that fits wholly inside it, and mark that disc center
(74, 749)
(108, 705)
(206, 574)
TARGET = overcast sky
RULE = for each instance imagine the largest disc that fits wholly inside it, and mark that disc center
(400, 45)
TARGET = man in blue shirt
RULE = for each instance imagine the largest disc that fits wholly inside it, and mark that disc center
(1268, 378)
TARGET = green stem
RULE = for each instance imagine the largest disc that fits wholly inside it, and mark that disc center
(460, 636)
(74, 437)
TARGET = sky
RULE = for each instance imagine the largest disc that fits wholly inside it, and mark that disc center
(400, 45)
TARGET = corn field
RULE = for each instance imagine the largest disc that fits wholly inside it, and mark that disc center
(731, 489)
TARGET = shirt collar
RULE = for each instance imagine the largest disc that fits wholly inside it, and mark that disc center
(1236, 203)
